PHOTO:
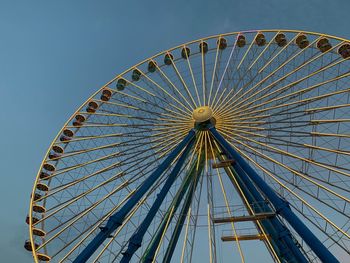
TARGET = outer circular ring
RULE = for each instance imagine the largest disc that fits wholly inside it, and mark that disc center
(128, 70)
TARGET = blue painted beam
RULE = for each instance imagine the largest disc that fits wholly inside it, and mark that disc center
(184, 210)
(117, 219)
(136, 239)
(281, 206)
(281, 238)
(151, 249)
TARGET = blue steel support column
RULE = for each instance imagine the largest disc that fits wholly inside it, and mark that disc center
(189, 181)
(281, 206)
(136, 239)
(280, 235)
(117, 219)
(178, 228)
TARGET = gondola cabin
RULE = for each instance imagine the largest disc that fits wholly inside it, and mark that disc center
(222, 43)
(136, 75)
(92, 107)
(39, 209)
(106, 94)
(344, 51)
(302, 41)
(152, 66)
(49, 167)
(121, 83)
(241, 42)
(79, 120)
(260, 39)
(28, 245)
(203, 47)
(323, 45)
(42, 187)
(281, 39)
(185, 52)
(168, 59)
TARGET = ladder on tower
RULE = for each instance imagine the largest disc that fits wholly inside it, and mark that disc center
(223, 164)
(258, 216)
(234, 219)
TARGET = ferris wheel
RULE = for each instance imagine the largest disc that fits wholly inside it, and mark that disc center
(224, 149)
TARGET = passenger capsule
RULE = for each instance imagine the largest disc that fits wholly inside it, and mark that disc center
(43, 257)
(34, 219)
(323, 45)
(260, 39)
(121, 83)
(44, 175)
(281, 39)
(152, 66)
(36, 196)
(28, 245)
(92, 106)
(38, 232)
(203, 47)
(56, 152)
(106, 94)
(168, 59)
(42, 187)
(58, 149)
(49, 167)
(68, 132)
(39, 209)
(185, 52)
(136, 75)
(241, 41)
(344, 51)
(79, 119)
(222, 43)
(302, 41)
(65, 139)
(53, 155)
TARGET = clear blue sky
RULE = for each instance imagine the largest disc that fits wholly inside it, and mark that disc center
(54, 54)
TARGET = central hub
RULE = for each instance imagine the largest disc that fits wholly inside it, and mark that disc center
(203, 118)
(202, 114)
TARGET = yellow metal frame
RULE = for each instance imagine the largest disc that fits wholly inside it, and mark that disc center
(186, 111)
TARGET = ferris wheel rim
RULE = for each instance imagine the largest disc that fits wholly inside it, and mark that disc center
(32, 201)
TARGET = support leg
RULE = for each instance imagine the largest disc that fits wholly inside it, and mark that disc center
(117, 219)
(281, 206)
(191, 178)
(136, 239)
